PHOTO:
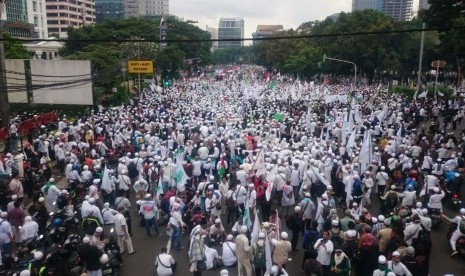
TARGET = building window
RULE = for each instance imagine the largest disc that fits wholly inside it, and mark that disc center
(34, 6)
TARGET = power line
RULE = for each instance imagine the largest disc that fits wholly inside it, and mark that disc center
(242, 39)
(45, 76)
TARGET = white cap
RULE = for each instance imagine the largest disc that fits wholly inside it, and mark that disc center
(382, 259)
(462, 211)
(224, 272)
(86, 240)
(4, 214)
(244, 229)
(229, 237)
(92, 200)
(261, 235)
(396, 253)
(14, 197)
(147, 196)
(212, 177)
(324, 196)
(25, 273)
(51, 180)
(381, 218)
(307, 194)
(393, 187)
(38, 255)
(284, 235)
(334, 222)
(99, 229)
(41, 199)
(96, 181)
(297, 209)
(436, 189)
(103, 259)
(217, 221)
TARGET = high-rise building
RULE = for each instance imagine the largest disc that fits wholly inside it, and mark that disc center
(358, 5)
(231, 28)
(15, 19)
(37, 15)
(400, 10)
(62, 14)
(140, 8)
(264, 31)
(108, 9)
(423, 5)
(214, 35)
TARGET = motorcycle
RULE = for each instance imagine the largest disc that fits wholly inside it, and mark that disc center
(113, 266)
(460, 243)
(455, 202)
(436, 218)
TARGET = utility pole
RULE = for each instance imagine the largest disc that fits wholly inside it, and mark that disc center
(4, 103)
(420, 61)
(344, 61)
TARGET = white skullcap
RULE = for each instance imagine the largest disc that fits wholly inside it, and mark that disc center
(244, 229)
(25, 273)
(41, 199)
(261, 235)
(229, 237)
(14, 197)
(92, 200)
(224, 272)
(396, 253)
(217, 221)
(381, 218)
(86, 240)
(99, 229)
(96, 181)
(382, 259)
(284, 235)
(51, 180)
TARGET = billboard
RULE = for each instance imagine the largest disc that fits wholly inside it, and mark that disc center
(140, 67)
(49, 81)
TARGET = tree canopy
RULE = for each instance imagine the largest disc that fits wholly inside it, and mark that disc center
(13, 48)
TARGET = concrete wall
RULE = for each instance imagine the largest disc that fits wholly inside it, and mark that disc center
(55, 81)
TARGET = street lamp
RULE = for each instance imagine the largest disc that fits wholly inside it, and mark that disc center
(344, 61)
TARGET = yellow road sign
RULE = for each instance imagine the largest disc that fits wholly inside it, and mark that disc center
(140, 67)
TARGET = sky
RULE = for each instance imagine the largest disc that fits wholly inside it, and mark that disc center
(290, 13)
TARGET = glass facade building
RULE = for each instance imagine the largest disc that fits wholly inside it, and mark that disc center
(230, 28)
(109, 9)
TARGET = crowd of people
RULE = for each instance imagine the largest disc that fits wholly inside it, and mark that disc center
(254, 172)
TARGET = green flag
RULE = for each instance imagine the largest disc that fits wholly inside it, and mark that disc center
(278, 117)
(272, 85)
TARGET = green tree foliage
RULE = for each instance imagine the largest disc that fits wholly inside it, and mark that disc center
(448, 14)
(14, 49)
(101, 44)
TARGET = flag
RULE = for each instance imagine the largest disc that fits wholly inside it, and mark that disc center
(106, 181)
(222, 170)
(351, 143)
(246, 217)
(159, 187)
(441, 94)
(278, 223)
(255, 229)
(365, 152)
(423, 94)
(180, 176)
(269, 262)
(259, 164)
(278, 116)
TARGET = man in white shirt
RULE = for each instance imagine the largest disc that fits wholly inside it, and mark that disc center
(6, 236)
(210, 254)
(164, 263)
(122, 232)
(324, 247)
(29, 229)
(396, 266)
(229, 252)
(251, 198)
(457, 232)
(148, 209)
(381, 179)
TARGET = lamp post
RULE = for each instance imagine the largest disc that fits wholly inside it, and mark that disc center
(344, 61)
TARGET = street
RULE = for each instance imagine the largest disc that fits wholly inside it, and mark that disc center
(142, 262)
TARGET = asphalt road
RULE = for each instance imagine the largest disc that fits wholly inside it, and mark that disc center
(142, 262)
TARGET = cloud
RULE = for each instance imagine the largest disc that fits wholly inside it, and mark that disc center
(289, 13)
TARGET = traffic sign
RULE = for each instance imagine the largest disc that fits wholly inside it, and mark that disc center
(140, 67)
(438, 64)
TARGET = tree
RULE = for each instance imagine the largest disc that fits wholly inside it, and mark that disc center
(450, 15)
(13, 48)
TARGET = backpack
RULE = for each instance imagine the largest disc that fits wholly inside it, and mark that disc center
(259, 259)
(132, 170)
(424, 236)
(89, 224)
(326, 210)
(336, 239)
(391, 200)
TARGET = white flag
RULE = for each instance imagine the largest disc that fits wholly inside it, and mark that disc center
(255, 229)
(423, 94)
(106, 181)
(269, 262)
(260, 164)
(181, 177)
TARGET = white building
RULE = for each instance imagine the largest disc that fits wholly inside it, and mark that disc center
(137, 8)
(49, 49)
(37, 15)
(62, 14)
(214, 35)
